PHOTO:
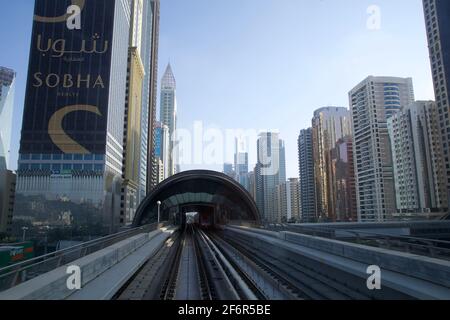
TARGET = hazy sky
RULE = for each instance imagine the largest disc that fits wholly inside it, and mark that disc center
(262, 64)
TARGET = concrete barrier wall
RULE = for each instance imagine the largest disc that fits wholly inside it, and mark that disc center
(52, 285)
(425, 268)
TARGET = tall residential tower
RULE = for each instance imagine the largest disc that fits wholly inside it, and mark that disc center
(372, 103)
(437, 19)
(419, 173)
(308, 203)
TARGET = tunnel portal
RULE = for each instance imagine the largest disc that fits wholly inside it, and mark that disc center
(218, 199)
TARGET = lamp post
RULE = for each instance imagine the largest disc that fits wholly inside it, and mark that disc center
(24, 229)
(159, 211)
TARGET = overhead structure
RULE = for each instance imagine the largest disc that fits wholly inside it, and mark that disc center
(185, 191)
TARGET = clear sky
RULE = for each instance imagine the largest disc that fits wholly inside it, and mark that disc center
(262, 64)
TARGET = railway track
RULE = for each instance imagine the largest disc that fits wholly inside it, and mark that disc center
(200, 265)
(303, 282)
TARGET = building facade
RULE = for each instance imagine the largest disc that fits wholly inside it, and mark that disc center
(228, 170)
(162, 150)
(419, 173)
(308, 201)
(241, 166)
(373, 102)
(168, 115)
(437, 20)
(71, 150)
(329, 125)
(7, 91)
(270, 171)
(343, 180)
(7, 199)
(288, 201)
(149, 55)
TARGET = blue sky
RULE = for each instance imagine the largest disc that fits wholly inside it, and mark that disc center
(262, 64)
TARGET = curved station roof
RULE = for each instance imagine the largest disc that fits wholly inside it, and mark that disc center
(198, 188)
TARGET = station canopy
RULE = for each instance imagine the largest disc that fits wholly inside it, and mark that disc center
(229, 199)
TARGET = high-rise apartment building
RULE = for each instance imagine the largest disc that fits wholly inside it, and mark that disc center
(308, 201)
(373, 102)
(288, 201)
(437, 19)
(7, 90)
(270, 171)
(169, 113)
(419, 173)
(71, 151)
(329, 125)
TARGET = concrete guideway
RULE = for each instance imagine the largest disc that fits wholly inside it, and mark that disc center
(409, 275)
(102, 272)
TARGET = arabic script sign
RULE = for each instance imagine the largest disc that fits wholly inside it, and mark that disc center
(66, 105)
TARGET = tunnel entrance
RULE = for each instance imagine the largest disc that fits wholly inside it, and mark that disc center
(217, 198)
(200, 215)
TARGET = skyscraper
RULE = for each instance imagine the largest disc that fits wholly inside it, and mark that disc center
(241, 163)
(437, 19)
(329, 124)
(288, 201)
(162, 150)
(270, 171)
(419, 173)
(7, 177)
(372, 102)
(151, 16)
(132, 135)
(71, 151)
(169, 112)
(308, 201)
(343, 180)
(228, 170)
(7, 90)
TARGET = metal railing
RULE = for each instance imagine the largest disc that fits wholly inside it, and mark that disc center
(434, 248)
(15, 274)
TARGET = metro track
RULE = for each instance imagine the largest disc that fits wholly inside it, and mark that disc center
(196, 264)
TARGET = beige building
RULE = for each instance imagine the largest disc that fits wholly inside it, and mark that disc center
(287, 198)
(419, 171)
(132, 135)
(372, 103)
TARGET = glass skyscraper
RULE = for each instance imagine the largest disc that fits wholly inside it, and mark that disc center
(71, 151)
(270, 171)
(329, 124)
